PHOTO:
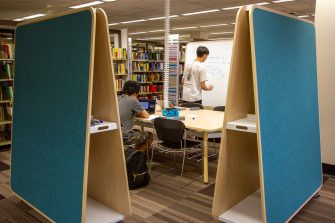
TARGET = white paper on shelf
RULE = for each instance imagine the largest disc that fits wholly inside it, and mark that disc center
(98, 213)
(247, 124)
(103, 127)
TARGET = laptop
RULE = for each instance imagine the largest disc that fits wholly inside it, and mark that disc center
(149, 105)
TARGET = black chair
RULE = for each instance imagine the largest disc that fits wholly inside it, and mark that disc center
(170, 134)
(219, 108)
(191, 105)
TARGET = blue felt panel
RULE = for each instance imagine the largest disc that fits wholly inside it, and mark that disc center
(288, 112)
(52, 68)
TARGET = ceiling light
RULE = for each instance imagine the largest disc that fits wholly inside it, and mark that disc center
(237, 7)
(113, 24)
(163, 17)
(221, 33)
(303, 16)
(109, 0)
(280, 1)
(222, 24)
(86, 4)
(133, 21)
(29, 17)
(190, 27)
(137, 33)
(156, 31)
(201, 12)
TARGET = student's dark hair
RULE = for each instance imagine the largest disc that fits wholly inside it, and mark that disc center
(202, 50)
(131, 87)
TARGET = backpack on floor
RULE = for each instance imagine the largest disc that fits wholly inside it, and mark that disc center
(137, 169)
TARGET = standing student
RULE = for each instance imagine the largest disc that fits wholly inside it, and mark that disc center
(129, 107)
(195, 76)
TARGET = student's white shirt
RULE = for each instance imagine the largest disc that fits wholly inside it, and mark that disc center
(194, 74)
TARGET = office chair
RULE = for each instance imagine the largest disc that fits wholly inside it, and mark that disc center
(170, 134)
(191, 105)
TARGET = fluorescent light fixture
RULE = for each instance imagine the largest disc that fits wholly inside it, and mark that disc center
(222, 24)
(237, 7)
(86, 5)
(221, 33)
(29, 17)
(163, 17)
(303, 16)
(280, 1)
(133, 21)
(113, 24)
(201, 12)
(156, 31)
(190, 27)
(137, 33)
(109, 0)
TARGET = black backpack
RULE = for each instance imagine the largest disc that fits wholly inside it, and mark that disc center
(137, 169)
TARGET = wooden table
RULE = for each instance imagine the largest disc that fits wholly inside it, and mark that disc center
(207, 124)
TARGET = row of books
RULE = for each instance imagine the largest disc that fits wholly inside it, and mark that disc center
(120, 53)
(151, 88)
(120, 68)
(148, 55)
(5, 132)
(152, 97)
(6, 70)
(4, 114)
(119, 84)
(6, 91)
(145, 66)
(154, 77)
(7, 51)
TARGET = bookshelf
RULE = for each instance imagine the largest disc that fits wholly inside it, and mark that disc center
(120, 65)
(147, 68)
(181, 70)
(6, 86)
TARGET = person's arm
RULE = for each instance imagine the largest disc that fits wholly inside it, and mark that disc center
(203, 78)
(143, 114)
(139, 110)
(205, 87)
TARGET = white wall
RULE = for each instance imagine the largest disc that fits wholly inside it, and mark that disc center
(325, 43)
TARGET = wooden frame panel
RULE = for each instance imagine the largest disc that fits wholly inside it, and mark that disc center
(107, 179)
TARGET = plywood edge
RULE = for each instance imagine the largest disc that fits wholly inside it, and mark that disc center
(107, 154)
(281, 13)
(216, 208)
(88, 117)
(220, 202)
(33, 207)
(47, 17)
(296, 212)
(259, 143)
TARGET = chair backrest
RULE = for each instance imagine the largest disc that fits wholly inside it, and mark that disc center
(219, 108)
(192, 105)
(169, 131)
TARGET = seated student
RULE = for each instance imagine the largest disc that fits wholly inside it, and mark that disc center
(129, 107)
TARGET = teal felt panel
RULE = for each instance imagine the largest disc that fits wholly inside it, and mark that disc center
(52, 67)
(288, 112)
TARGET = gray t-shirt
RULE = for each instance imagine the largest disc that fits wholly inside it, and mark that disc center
(129, 107)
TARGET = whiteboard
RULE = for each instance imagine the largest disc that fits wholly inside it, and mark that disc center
(217, 66)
